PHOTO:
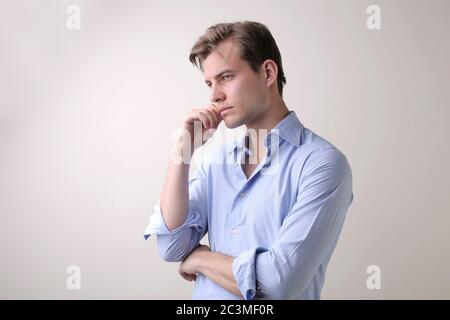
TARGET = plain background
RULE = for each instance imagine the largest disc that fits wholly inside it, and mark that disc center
(86, 118)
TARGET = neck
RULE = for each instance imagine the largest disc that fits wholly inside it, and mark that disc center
(262, 126)
(276, 112)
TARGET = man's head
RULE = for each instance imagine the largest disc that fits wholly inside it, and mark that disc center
(242, 65)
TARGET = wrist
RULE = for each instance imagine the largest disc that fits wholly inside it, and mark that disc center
(200, 260)
(181, 153)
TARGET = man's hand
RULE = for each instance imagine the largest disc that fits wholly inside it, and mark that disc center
(189, 266)
(209, 117)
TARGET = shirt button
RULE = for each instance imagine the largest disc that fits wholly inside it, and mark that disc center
(236, 164)
(242, 194)
(234, 231)
(258, 288)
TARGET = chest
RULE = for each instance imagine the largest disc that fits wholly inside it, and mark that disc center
(249, 215)
(251, 163)
(248, 169)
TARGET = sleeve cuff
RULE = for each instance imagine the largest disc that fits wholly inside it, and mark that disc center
(244, 271)
(158, 226)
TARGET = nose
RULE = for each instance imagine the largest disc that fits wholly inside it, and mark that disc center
(217, 94)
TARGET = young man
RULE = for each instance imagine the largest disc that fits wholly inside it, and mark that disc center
(272, 223)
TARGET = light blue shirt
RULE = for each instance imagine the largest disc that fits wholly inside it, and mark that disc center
(281, 224)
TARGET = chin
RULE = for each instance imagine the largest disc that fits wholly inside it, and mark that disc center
(231, 123)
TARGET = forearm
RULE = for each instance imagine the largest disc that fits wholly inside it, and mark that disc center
(174, 199)
(218, 267)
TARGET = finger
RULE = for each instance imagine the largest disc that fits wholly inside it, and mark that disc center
(204, 119)
(183, 274)
(192, 116)
(213, 116)
(216, 116)
(213, 109)
(209, 117)
(192, 277)
(185, 278)
(189, 277)
(216, 110)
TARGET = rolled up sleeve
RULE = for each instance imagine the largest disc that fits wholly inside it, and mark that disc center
(174, 245)
(307, 236)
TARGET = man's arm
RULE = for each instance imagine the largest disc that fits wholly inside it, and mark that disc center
(180, 218)
(216, 266)
(174, 198)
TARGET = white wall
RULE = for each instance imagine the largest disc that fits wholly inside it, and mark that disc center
(86, 117)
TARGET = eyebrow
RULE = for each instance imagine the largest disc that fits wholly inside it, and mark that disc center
(220, 74)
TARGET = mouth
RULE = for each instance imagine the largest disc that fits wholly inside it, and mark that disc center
(225, 111)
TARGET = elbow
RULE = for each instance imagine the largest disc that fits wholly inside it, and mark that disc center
(168, 251)
(285, 287)
(168, 257)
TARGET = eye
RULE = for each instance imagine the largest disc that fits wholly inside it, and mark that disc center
(226, 77)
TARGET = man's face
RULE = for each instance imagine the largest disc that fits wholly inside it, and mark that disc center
(233, 83)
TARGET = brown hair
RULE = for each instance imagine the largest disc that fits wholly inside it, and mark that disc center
(254, 40)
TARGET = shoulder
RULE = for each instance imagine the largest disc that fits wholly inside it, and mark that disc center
(323, 157)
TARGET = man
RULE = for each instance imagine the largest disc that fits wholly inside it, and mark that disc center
(273, 222)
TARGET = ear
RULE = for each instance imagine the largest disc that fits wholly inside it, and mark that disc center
(270, 72)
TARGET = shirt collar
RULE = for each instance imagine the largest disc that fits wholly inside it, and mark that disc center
(289, 129)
